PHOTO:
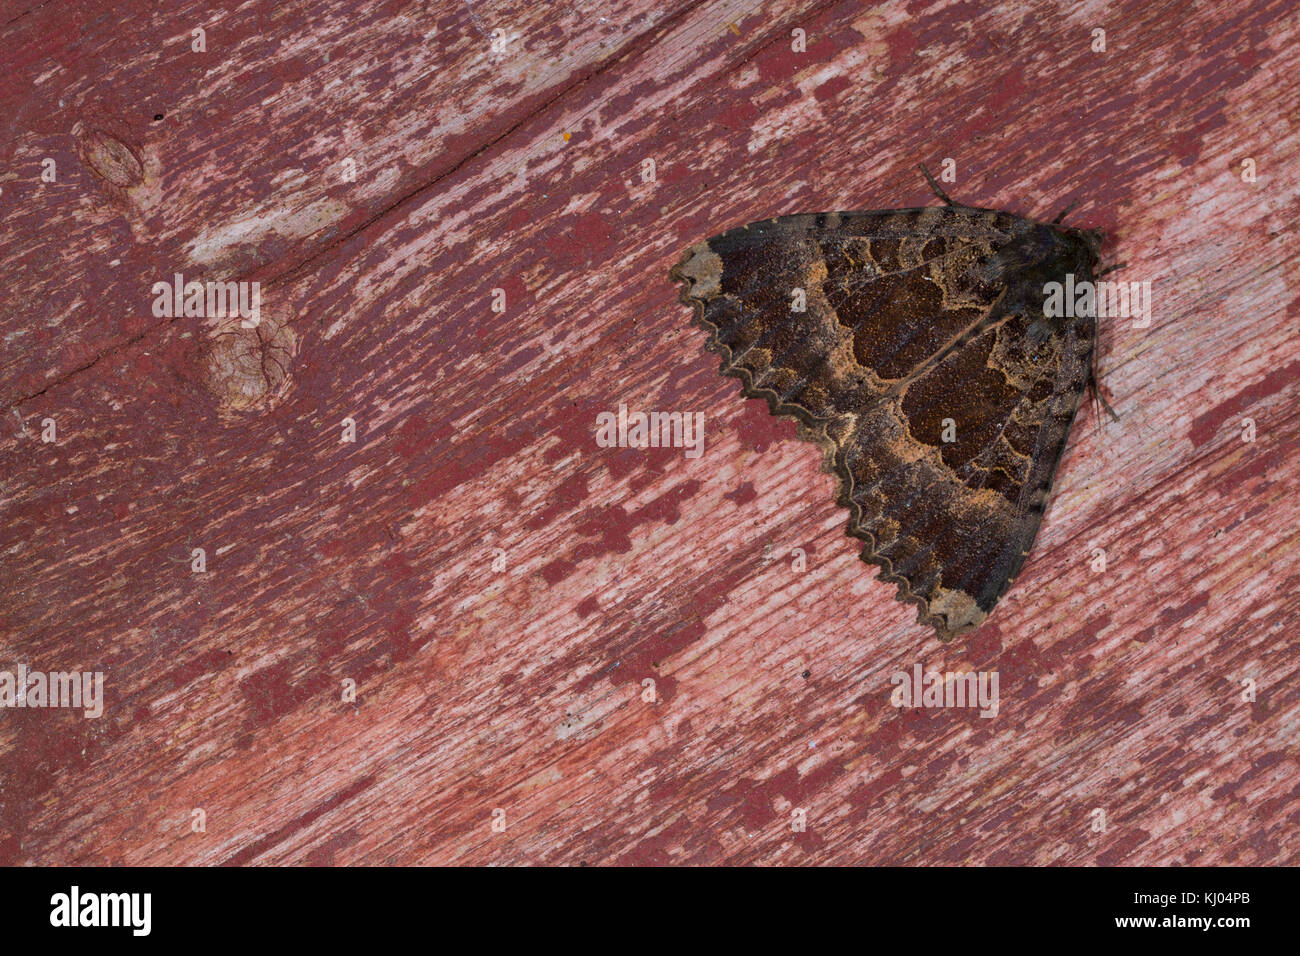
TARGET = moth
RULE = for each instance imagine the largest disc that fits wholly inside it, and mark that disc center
(913, 347)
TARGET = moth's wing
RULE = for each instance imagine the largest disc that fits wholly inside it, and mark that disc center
(771, 294)
(894, 344)
(951, 522)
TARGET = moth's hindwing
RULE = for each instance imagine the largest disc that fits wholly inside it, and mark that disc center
(911, 346)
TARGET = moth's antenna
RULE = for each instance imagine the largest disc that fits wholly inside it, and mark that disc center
(1065, 212)
(1109, 269)
(934, 187)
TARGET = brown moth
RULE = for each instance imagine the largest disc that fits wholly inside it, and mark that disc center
(913, 347)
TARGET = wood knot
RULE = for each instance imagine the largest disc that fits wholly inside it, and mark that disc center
(247, 366)
(110, 159)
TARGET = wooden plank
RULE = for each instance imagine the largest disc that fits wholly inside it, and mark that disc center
(216, 163)
(521, 689)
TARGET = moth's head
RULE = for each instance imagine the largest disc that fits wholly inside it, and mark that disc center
(1041, 248)
(1039, 259)
(1086, 243)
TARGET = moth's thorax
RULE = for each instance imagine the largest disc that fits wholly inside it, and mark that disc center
(1043, 247)
(1037, 256)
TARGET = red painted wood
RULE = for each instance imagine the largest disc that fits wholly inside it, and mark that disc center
(520, 689)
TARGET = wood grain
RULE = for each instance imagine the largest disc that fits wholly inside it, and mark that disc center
(521, 690)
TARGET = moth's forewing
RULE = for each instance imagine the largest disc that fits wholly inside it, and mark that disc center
(909, 345)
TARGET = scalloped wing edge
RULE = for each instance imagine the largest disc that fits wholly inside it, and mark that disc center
(810, 429)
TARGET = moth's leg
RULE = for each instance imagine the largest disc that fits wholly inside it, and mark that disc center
(934, 187)
(1094, 382)
(1065, 212)
(1094, 387)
